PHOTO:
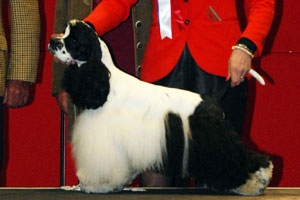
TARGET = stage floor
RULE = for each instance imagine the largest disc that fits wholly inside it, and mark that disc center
(144, 193)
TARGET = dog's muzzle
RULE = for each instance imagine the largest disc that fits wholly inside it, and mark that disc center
(55, 45)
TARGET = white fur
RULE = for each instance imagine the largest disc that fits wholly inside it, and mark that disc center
(127, 135)
(64, 55)
(257, 182)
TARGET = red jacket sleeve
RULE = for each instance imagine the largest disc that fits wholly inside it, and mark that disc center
(109, 14)
(259, 15)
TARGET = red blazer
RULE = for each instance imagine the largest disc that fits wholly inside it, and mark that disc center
(209, 41)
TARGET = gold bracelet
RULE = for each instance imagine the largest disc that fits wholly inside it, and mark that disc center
(244, 49)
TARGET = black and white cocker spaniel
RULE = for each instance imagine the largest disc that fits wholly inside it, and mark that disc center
(128, 126)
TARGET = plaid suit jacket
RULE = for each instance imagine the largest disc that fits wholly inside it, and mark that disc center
(25, 42)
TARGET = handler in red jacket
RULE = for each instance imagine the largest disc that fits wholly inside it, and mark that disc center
(198, 45)
(208, 27)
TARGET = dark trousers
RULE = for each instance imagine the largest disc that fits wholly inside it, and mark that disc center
(188, 75)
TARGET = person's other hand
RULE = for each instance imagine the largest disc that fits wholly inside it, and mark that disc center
(239, 65)
(62, 99)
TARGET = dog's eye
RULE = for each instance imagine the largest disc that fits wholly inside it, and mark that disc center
(72, 41)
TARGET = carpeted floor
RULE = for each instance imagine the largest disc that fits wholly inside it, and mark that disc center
(145, 194)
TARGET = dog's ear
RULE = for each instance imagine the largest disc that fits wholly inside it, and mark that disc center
(88, 85)
(95, 53)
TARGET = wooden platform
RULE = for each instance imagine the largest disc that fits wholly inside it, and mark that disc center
(144, 193)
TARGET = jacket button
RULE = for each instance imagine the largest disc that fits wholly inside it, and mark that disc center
(139, 45)
(138, 24)
(186, 0)
(187, 22)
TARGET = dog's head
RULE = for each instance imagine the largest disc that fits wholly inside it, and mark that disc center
(86, 81)
(78, 43)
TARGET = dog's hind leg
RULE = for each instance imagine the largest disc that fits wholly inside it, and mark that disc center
(220, 159)
(257, 182)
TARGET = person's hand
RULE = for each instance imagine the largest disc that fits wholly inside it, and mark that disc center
(62, 99)
(16, 93)
(239, 65)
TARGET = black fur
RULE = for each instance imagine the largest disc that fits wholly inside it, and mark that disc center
(88, 86)
(82, 43)
(175, 148)
(218, 157)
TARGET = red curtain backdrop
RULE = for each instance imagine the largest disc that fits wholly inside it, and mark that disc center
(32, 144)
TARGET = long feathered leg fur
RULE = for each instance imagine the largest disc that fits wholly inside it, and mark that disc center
(219, 157)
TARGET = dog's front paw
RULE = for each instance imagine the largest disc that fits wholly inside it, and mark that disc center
(71, 188)
(257, 182)
(100, 188)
